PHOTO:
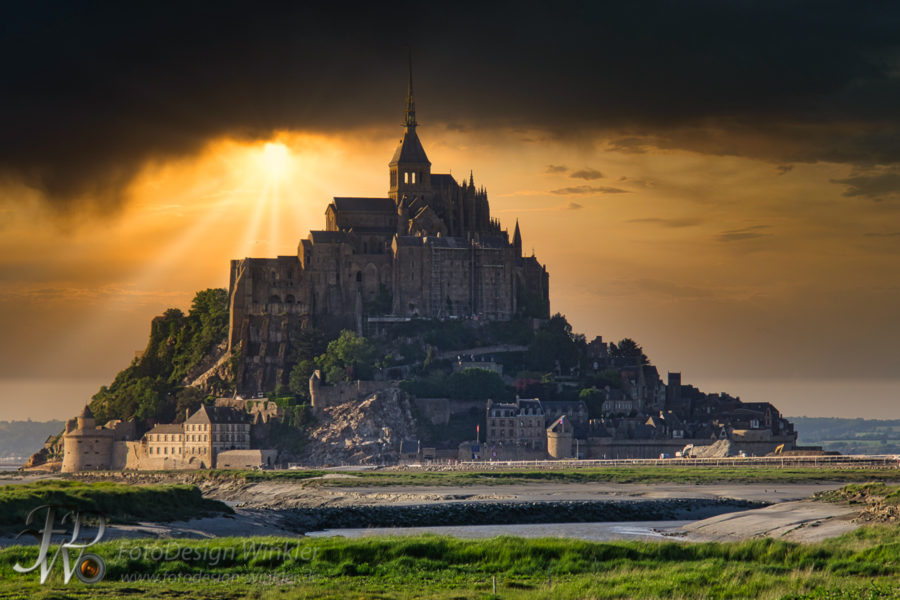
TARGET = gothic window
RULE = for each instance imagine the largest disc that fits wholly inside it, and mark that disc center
(274, 299)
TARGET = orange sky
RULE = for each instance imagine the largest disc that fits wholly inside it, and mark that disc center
(752, 277)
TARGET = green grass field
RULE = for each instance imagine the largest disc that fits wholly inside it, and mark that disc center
(636, 474)
(861, 565)
(119, 502)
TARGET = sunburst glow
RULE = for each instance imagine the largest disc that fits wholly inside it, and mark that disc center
(276, 159)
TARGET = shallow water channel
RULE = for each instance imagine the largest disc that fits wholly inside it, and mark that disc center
(596, 532)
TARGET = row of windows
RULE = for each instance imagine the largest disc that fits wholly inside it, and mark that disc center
(230, 427)
(512, 422)
(203, 437)
(502, 433)
(165, 450)
(172, 437)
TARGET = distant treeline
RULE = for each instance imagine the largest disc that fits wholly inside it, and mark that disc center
(21, 439)
(849, 436)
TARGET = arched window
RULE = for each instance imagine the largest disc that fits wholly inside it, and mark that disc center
(289, 299)
(274, 299)
(359, 276)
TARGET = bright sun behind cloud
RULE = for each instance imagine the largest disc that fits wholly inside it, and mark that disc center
(276, 159)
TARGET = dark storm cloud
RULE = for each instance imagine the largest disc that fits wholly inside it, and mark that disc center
(875, 187)
(588, 174)
(91, 91)
(587, 189)
(556, 169)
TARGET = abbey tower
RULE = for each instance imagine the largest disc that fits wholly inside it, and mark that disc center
(430, 249)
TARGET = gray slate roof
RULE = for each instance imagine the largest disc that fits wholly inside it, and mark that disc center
(167, 428)
(409, 240)
(365, 204)
(217, 414)
(410, 149)
(442, 181)
(328, 237)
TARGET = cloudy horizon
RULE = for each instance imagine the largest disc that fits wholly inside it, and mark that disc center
(719, 181)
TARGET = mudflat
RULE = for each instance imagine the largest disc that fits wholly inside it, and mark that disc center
(290, 494)
(798, 521)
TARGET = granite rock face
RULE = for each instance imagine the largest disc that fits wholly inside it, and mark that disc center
(367, 432)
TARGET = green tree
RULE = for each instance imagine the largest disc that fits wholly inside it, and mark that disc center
(468, 384)
(151, 386)
(298, 382)
(593, 398)
(555, 345)
(629, 349)
(209, 313)
(347, 358)
(187, 401)
(476, 384)
(308, 343)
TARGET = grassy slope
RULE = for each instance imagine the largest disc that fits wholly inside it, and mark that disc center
(859, 493)
(863, 564)
(120, 503)
(641, 474)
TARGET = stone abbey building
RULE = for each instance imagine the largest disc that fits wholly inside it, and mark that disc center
(429, 249)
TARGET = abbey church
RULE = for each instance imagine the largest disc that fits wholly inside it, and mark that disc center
(429, 249)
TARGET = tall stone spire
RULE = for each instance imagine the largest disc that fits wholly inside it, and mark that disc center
(517, 239)
(410, 121)
(410, 169)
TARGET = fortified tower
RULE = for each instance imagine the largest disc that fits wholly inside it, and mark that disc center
(85, 446)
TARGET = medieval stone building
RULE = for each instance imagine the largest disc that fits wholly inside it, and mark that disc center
(429, 249)
(212, 437)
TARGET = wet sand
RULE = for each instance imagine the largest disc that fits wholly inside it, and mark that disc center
(800, 521)
(274, 494)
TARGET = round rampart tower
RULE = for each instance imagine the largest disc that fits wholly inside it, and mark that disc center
(87, 447)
